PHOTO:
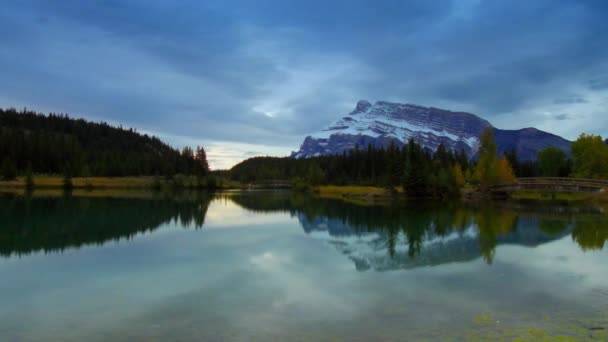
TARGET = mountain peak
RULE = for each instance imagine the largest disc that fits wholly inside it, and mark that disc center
(386, 122)
(362, 107)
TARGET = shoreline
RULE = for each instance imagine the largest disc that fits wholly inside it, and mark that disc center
(49, 182)
(358, 194)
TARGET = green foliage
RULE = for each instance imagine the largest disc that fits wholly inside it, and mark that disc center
(314, 175)
(29, 178)
(202, 166)
(92, 149)
(394, 166)
(459, 179)
(416, 180)
(67, 178)
(156, 184)
(299, 184)
(212, 182)
(490, 169)
(590, 155)
(486, 171)
(420, 172)
(553, 162)
(8, 170)
(513, 160)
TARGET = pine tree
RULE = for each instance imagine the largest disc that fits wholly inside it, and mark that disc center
(29, 178)
(393, 167)
(8, 170)
(514, 161)
(67, 178)
(416, 178)
(486, 171)
(202, 164)
(552, 161)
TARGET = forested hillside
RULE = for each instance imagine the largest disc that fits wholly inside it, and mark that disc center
(418, 170)
(58, 144)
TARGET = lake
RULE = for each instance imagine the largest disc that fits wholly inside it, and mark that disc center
(276, 265)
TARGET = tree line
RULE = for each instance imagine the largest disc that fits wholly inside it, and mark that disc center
(588, 159)
(31, 142)
(417, 170)
(422, 172)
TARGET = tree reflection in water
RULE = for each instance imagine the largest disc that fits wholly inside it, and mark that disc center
(402, 235)
(53, 224)
(433, 232)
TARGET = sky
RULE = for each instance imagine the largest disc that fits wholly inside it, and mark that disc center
(248, 78)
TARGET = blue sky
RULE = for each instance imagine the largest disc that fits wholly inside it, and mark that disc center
(247, 78)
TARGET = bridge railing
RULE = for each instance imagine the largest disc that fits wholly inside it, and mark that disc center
(562, 181)
(271, 183)
(553, 184)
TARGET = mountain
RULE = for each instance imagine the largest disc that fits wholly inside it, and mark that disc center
(385, 122)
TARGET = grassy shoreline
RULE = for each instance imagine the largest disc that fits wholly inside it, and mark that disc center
(126, 183)
(369, 194)
(352, 193)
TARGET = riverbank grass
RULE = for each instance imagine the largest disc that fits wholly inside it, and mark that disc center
(140, 182)
(354, 193)
(82, 182)
(552, 196)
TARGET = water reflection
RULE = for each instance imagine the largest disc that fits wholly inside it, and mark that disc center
(372, 236)
(423, 234)
(53, 224)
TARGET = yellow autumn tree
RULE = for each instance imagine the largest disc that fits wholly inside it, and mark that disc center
(458, 176)
(490, 169)
(504, 173)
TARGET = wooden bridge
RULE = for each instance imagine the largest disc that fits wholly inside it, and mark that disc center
(271, 184)
(553, 184)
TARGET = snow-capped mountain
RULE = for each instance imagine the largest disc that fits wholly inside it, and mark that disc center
(385, 122)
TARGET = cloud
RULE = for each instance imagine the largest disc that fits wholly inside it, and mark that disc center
(562, 117)
(571, 99)
(599, 83)
(268, 73)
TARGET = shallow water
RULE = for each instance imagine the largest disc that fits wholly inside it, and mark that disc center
(283, 266)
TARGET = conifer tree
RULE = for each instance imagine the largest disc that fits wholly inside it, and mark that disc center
(202, 164)
(8, 170)
(29, 178)
(416, 181)
(67, 178)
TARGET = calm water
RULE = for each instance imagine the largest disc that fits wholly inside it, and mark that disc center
(280, 266)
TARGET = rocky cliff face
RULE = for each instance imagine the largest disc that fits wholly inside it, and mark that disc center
(384, 122)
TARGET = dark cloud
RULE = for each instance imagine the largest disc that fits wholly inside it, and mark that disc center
(269, 72)
(562, 117)
(571, 99)
(599, 83)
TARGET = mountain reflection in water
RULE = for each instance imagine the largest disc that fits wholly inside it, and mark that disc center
(404, 236)
(401, 236)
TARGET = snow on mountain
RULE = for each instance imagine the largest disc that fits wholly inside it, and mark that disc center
(384, 123)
